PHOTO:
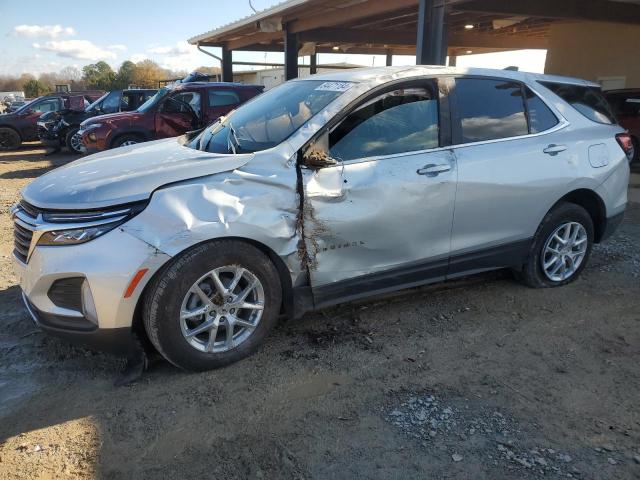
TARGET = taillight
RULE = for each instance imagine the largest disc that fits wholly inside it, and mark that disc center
(626, 143)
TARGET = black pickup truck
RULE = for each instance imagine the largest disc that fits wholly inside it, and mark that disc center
(59, 129)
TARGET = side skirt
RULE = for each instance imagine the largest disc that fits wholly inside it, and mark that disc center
(512, 255)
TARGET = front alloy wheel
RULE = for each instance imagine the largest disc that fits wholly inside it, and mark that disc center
(222, 309)
(212, 305)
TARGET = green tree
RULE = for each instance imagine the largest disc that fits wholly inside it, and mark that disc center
(126, 74)
(34, 88)
(99, 76)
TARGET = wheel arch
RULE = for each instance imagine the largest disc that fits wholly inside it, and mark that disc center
(11, 127)
(593, 204)
(146, 136)
(287, 307)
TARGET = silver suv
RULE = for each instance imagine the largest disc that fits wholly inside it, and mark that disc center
(323, 190)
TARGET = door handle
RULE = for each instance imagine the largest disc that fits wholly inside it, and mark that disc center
(554, 149)
(433, 170)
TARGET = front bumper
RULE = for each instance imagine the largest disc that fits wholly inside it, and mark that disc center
(113, 340)
(107, 264)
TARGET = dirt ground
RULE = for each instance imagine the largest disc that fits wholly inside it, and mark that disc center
(476, 379)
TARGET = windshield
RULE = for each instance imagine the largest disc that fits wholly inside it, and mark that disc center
(93, 106)
(151, 102)
(270, 118)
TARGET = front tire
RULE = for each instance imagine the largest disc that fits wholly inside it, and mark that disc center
(561, 248)
(9, 139)
(74, 141)
(213, 305)
(126, 140)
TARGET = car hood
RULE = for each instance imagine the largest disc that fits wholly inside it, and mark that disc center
(119, 117)
(126, 174)
(7, 117)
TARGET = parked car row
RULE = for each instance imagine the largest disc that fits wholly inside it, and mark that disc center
(96, 121)
(21, 125)
(60, 128)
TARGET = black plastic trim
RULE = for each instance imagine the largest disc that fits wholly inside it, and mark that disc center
(67, 293)
(611, 225)
(116, 341)
(415, 274)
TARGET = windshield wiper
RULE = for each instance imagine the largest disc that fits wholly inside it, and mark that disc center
(232, 139)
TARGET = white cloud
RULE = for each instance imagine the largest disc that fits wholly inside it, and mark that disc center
(80, 49)
(51, 31)
(180, 56)
(121, 48)
(179, 48)
(138, 57)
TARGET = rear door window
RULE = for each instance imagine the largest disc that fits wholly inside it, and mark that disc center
(589, 101)
(489, 109)
(222, 98)
(396, 122)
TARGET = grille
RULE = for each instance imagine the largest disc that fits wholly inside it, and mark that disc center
(22, 234)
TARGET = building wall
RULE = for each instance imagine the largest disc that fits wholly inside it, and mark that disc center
(598, 51)
(271, 77)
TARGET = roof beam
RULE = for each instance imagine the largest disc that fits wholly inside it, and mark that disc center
(353, 35)
(599, 10)
(380, 38)
(336, 16)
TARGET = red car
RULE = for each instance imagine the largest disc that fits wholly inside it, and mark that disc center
(172, 111)
(22, 125)
(626, 106)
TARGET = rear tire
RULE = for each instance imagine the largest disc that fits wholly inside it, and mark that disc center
(126, 140)
(174, 308)
(561, 248)
(9, 139)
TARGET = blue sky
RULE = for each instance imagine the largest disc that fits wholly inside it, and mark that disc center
(46, 35)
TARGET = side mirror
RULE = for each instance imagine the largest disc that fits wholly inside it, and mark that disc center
(316, 154)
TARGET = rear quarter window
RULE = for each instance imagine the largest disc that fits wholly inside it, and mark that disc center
(589, 101)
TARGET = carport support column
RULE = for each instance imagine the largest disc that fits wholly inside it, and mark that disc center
(290, 55)
(313, 64)
(227, 65)
(389, 59)
(431, 43)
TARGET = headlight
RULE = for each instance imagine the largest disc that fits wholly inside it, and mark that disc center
(91, 126)
(76, 235)
(82, 227)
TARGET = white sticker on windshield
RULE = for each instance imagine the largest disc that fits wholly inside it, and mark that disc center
(334, 86)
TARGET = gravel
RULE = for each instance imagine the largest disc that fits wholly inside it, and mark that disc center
(491, 435)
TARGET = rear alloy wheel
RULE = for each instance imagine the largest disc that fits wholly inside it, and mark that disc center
(74, 142)
(561, 247)
(127, 140)
(213, 305)
(9, 139)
